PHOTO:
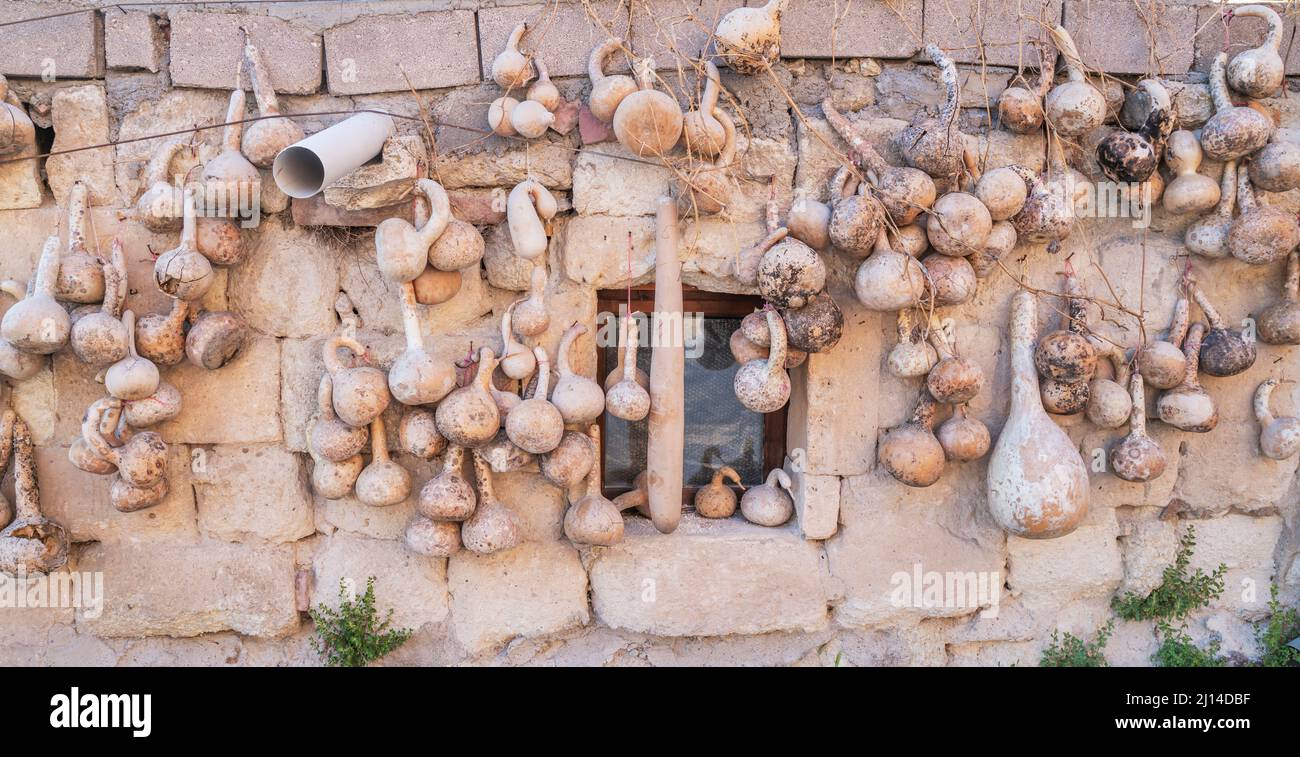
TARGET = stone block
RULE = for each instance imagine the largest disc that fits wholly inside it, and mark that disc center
(20, 184)
(246, 493)
(286, 253)
(413, 586)
(605, 185)
(816, 501)
(673, 30)
(172, 111)
(382, 184)
(1054, 572)
(538, 505)
(1093, 25)
(79, 502)
(831, 384)
(207, 50)
(189, 590)
(709, 578)
(469, 159)
(505, 269)
(535, 589)
(132, 40)
(820, 150)
(371, 53)
(1148, 544)
(709, 248)
(81, 119)
(997, 32)
(562, 34)
(236, 404)
(1245, 544)
(809, 29)
(595, 250)
(65, 47)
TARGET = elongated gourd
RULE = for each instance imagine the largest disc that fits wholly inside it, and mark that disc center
(1037, 482)
(183, 272)
(1258, 72)
(264, 139)
(607, 90)
(666, 438)
(1280, 322)
(1279, 437)
(81, 275)
(418, 376)
(593, 519)
(528, 208)
(31, 543)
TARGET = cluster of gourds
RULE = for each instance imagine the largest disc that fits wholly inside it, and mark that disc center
(512, 70)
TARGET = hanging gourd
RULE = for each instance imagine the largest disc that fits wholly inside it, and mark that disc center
(1137, 457)
(264, 139)
(958, 225)
(132, 377)
(1188, 407)
(31, 543)
(952, 280)
(105, 413)
(911, 356)
(469, 417)
(771, 503)
(360, 393)
(569, 462)
(334, 480)
(628, 399)
(1003, 193)
(706, 188)
(1276, 168)
(1037, 483)
(183, 272)
(1189, 192)
(418, 376)
(100, 338)
(936, 145)
(448, 496)
(528, 207)
(530, 316)
(1232, 132)
(1110, 403)
(1001, 241)
(214, 338)
(418, 435)
(1279, 437)
(962, 437)
(579, 399)
(401, 250)
(702, 130)
(536, 426)
(1280, 322)
(17, 132)
(809, 221)
(1131, 156)
(1258, 72)
(531, 119)
(328, 436)
(493, 526)
(607, 91)
(1073, 107)
(889, 280)
(501, 116)
(544, 91)
(857, 218)
(1208, 236)
(1225, 352)
(81, 275)
(382, 482)
(161, 205)
(1262, 233)
(229, 177)
(954, 379)
(904, 192)
(432, 538)
(38, 324)
(762, 385)
(160, 337)
(748, 40)
(512, 69)
(815, 327)
(1161, 361)
(911, 453)
(17, 364)
(1048, 212)
(648, 122)
(593, 519)
(1020, 110)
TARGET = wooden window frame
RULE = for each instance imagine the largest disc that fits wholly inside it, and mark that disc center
(709, 304)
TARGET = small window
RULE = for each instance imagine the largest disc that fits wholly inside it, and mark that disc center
(719, 430)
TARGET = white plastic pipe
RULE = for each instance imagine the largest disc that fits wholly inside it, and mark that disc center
(306, 167)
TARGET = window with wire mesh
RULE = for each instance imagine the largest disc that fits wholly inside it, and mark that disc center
(719, 430)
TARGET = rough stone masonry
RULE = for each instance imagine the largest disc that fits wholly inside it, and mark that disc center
(217, 574)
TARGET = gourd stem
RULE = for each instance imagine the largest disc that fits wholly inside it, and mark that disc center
(1137, 419)
(631, 338)
(905, 326)
(1262, 396)
(728, 152)
(1219, 84)
(411, 318)
(867, 155)
(1245, 194)
(439, 211)
(378, 440)
(128, 320)
(27, 492)
(234, 114)
(47, 270)
(777, 351)
(91, 431)
(483, 479)
(595, 64)
(1227, 191)
(566, 342)
(267, 103)
(594, 482)
(712, 87)
(952, 95)
(516, 36)
(487, 361)
(161, 161)
(1046, 70)
(1211, 314)
(1192, 349)
(1024, 333)
(325, 398)
(115, 289)
(7, 421)
(543, 373)
(923, 411)
(189, 224)
(1178, 326)
(77, 217)
(1291, 285)
(1065, 43)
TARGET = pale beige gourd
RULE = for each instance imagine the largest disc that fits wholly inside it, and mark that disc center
(100, 338)
(1188, 406)
(493, 526)
(607, 91)
(1258, 72)
(705, 188)
(911, 239)
(418, 435)
(517, 360)
(1208, 235)
(958, 225)
(857, 218)
(1261, 234)
(569, 462)
(1233, 131)
(530, 315)
(1189, 191)
(1161, 361)
(105, 413)
(163, 405)
(936, 145)
(815, 327)
(1074, 106)
(536, 426)
(15, 363)
(401, 250)
(468, 416)
(264, 139)
(382, 482)
(1109, 401)
(229, 175)
(616, 375)
(1224, 351)
(531, 119)
(952, 280)
(544, 91)
(501, 116)
(1001, 241)
(133, 377)
(627, 398)
(330, 437)
(38, 324)
(528, 209)
(716, 499)
(911, 453)
(334, 480)
(17, 132)
(594, 520)
(889, 280)
(648, 122)
(748, 40)
(1048, 212)
(1280, 323)
(160, 337)
(666, 433)
(1020, 110)
(360, 393)
(141, 460)
(1279, 437)
(31, 543)
(434, 287)
(962, 437)
(1003, 192)
(702, 132)
(911, 356)
(215, 338)
(763, 385)
(809, 221)
(904, 192)
(766, 504)
(81, 274)
(506, 401)
(512, 69)
(578, 398)
(432, 538)
(1137, 457)
(418, 376)
(459, 246)
(448, 496)
(1037, 482)
(183, 272)
(1276, 168)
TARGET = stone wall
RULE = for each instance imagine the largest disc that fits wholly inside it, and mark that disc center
(217, 574)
